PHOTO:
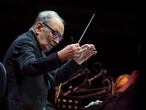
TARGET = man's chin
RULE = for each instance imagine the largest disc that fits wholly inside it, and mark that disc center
(48, 48)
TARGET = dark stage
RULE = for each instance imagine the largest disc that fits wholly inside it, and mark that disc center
(113, 29)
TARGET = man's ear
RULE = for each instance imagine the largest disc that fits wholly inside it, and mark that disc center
(38, 27)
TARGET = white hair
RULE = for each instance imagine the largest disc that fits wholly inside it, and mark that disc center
(46, 16)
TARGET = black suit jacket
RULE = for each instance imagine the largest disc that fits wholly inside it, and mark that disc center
(31, 74)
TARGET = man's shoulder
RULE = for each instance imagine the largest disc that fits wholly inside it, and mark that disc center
(26, 37)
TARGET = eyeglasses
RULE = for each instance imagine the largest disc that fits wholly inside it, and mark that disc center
(55, 33)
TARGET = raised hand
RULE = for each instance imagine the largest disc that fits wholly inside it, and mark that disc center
(86, 51)
(69, 52)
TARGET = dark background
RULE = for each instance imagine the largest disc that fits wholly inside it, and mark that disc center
(113, 29)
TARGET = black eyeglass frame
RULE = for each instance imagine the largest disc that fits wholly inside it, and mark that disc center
(55, 33)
